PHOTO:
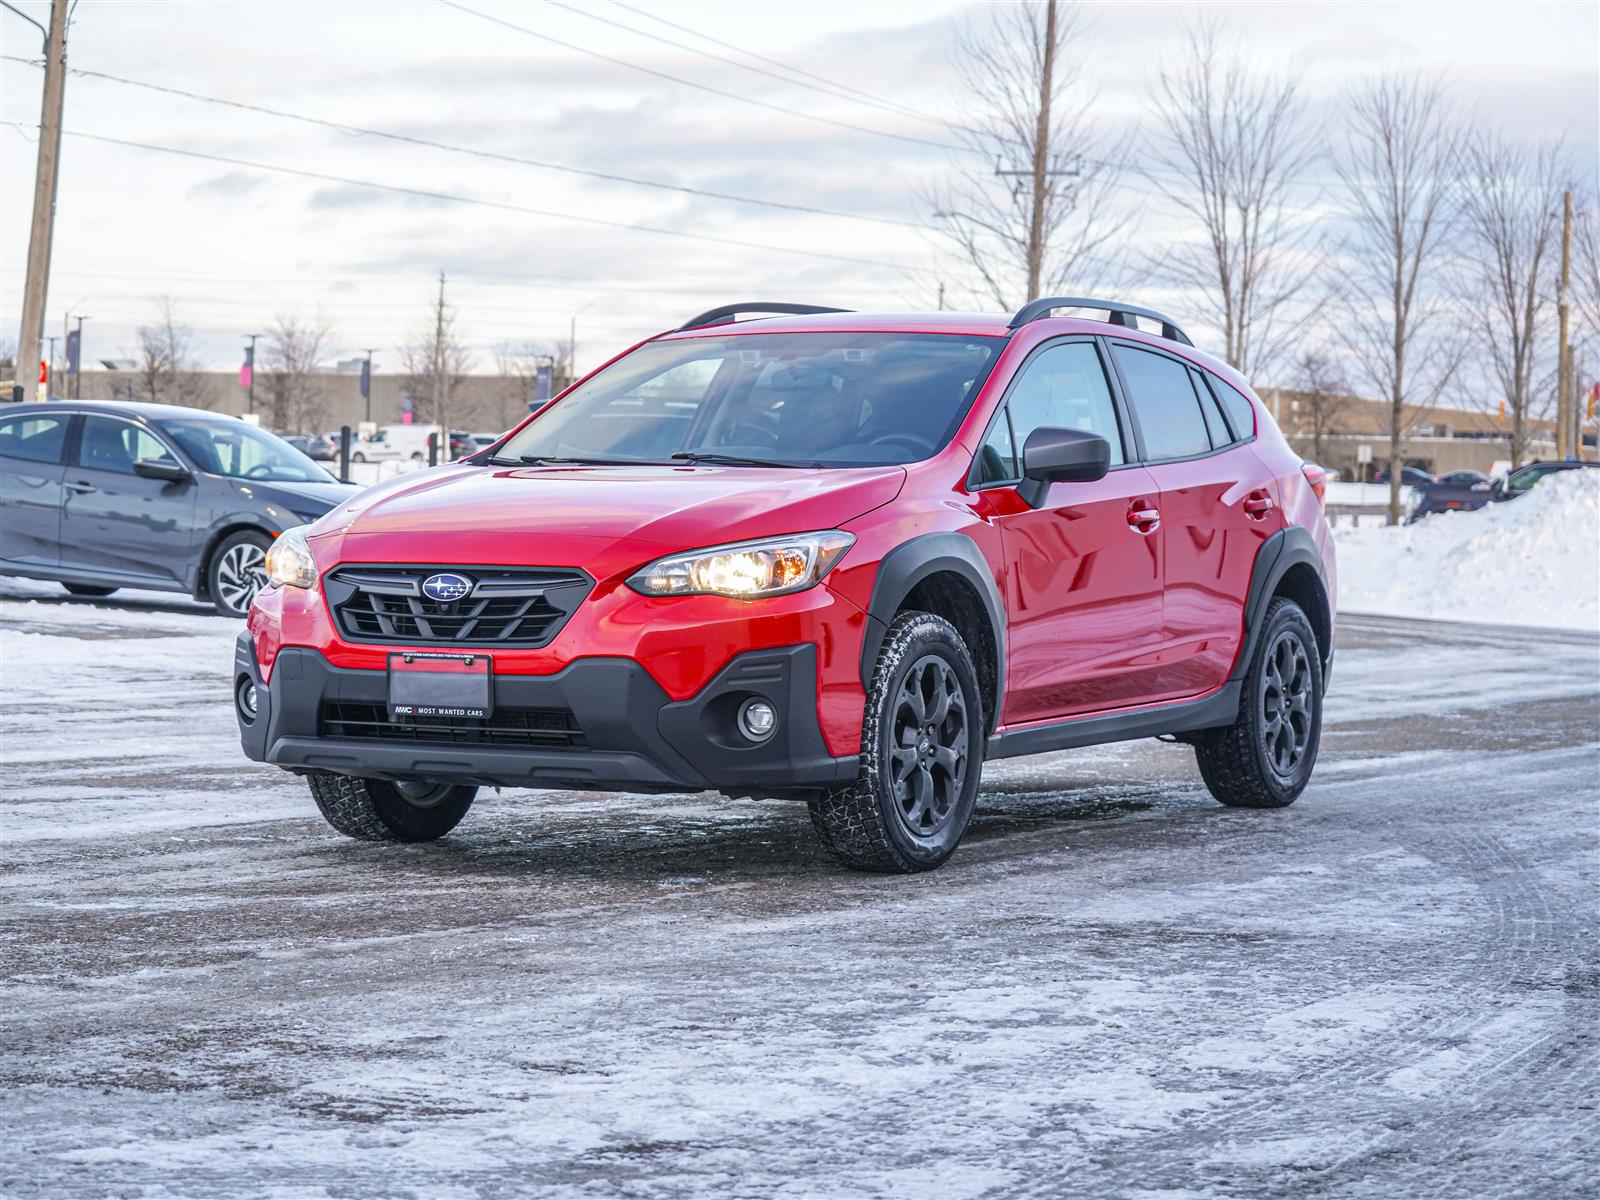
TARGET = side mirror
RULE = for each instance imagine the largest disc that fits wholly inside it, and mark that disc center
(1060, 455)
(155, 468)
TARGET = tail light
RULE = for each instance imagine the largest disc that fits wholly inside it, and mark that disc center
(1318, 479)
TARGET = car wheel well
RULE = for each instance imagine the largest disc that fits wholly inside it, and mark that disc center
(951, 596)
(202, 583)
(1301, 584)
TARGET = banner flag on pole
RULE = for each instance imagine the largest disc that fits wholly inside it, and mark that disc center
(366, 379)
(247, 371)
(73, 338)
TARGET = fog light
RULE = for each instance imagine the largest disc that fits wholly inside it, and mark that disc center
(245, 697)
(757, 720)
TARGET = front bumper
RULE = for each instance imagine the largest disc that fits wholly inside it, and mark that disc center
(600, 723)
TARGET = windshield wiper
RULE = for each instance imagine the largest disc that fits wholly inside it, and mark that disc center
(735, 460)
(503, 462)
(549, 460)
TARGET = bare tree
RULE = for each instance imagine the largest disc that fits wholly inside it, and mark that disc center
(1324, 394)
(1400, 166)
(1031, 204)
(1511, 204)
(8, 355)
(297, 352)
(519, 365)
(167, 372)
(1230, 142)
(436, 362)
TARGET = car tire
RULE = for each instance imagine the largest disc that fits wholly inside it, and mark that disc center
(1264, 759)
(84, 589)
(358, 457)
(237, 571)
(417, 456)
(375, 810)
(922, 738)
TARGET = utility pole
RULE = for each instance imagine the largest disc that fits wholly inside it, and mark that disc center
(1564, 446)
(439, 369)
(366, 385)
(941, 295)
(44, 189)
(1041, 155)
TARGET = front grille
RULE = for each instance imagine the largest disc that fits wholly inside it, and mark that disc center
(506, 606)
(532, 727)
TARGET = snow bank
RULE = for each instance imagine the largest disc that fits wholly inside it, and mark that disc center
(1532, 561)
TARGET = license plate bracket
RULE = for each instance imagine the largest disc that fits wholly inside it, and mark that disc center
(440, 685)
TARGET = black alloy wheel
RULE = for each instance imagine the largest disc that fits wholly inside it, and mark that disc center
(926, 765)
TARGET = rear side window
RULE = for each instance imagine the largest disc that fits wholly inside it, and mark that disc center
(1241, 415)
(1215, 425)
(33, 438)
(112, 444)
(1168, 410)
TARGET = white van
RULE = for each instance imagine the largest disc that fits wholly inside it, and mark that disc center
(397, 443)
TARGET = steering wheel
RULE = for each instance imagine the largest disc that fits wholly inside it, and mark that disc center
(264, 469)
(909, 441)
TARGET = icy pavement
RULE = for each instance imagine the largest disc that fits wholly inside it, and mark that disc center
(1116, 988)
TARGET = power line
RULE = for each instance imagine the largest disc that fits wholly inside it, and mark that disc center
(703, 87)
(342, 127)
(822, 86)
(459, 199)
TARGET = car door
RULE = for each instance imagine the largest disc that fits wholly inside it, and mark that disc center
(116, 521)
(32, 461)
(1082, 571)
(1217, 506)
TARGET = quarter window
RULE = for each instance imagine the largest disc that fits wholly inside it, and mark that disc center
(111, 444)
(34, 438)
(1241, 415)
(1064, 387)
(1169, 413)
(997, 457)
(1215, 425)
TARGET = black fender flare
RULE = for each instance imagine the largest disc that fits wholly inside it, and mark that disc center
(1289, 547)
(907, 565)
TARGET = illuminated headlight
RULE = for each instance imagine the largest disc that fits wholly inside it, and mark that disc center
(746, 570)
(289, 561)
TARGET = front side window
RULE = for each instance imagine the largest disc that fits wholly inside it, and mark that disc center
(1169, 413)
(1064, 387)
(33, 438)
(230, 447)
(796, 399)
(112, 444)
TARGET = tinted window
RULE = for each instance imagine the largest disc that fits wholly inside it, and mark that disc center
(1064, 387)
(1216, 427)
(112, 444)
(34, 438)
(836, 399)
(1241, 414)
(230, 447)
(1169, 414)
(997, 458)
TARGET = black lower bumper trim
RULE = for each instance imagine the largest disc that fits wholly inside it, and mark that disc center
(634, 738)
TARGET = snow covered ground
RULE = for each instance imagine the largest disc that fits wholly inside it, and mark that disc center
(1532, 561)
(1116, 988)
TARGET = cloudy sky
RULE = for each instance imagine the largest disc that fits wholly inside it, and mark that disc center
(526, 247)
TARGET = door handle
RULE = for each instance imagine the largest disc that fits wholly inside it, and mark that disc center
(81, 489)
(1258, 505)
(1144, 520)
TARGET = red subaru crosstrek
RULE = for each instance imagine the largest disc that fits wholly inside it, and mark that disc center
(828, 556)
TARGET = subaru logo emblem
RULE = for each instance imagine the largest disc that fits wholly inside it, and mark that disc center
(446, 587)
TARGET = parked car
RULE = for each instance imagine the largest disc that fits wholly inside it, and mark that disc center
(103, 495)
(1525, 478)
(1409, 477)
(825, 556)
(394, 442)
(314, 446)
(1459, 491)
(484, 440)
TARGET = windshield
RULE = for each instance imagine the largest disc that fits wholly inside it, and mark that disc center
(242, 451)
(795, 399)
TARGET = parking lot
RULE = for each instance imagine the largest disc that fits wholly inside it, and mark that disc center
(1115, 988)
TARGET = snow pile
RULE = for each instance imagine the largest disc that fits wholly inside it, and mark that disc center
(1531, 561)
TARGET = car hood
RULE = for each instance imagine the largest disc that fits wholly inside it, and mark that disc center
(307, 499)
(577, 516)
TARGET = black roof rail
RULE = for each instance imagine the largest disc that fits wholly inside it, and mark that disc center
(725, 314)
(1119, 313)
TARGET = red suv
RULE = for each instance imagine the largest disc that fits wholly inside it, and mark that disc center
(828, 556)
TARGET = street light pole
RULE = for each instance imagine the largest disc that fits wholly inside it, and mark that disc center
(366, 386)
(250, 388)
(77, 374)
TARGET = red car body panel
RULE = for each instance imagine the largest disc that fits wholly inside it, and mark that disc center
(1101, 613)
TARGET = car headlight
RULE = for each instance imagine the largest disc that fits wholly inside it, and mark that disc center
(289, 561)
(746, 570)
